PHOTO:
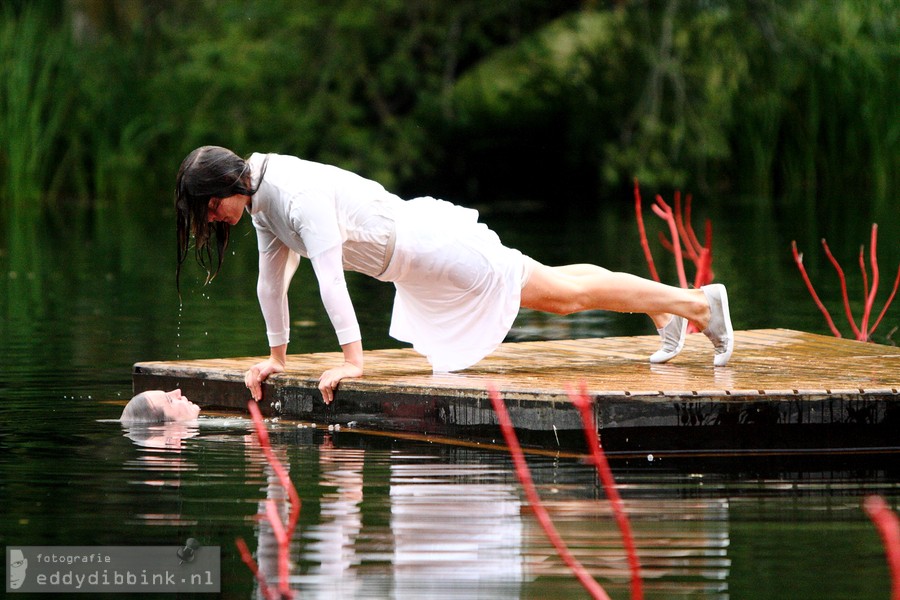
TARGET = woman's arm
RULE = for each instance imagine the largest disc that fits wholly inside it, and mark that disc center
(329, 270)
(277, 265)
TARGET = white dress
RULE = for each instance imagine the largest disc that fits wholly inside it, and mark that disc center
(458, 289)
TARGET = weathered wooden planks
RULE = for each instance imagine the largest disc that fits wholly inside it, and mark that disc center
(783, 389)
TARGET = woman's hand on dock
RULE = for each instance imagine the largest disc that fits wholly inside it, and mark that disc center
(331, 378)
(258, 373)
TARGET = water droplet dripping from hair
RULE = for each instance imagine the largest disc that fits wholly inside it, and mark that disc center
(178, 333)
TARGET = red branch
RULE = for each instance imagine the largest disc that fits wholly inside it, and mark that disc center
(870, 300)
(683, 242)
(247, 557)
(276, 465)
(643, 233)
(284, 540)
(708, 244)
(843, 280)
(704, 268)
(664, 212)
(692, 237)
(540, 512)
(684, 231)
(665, 243)
(889, 529)
(798, 258)
(862, 333)
(283, 534)
(864, 271)
(584, 406)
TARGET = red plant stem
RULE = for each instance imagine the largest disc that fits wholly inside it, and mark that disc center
(663, 211)
(690, 228)
(864, 271)
(870, 300)
(684, 238)
(247, 557)
(524, 475)
(643, 233)
(708, 275)
(843, 280)
(279, 469)
(886, 304)
(584, 406)
(798, 258)
(704, 273)
(665, 243)
(281, 536)
(889, 529)
(689, 248)
(703, 268)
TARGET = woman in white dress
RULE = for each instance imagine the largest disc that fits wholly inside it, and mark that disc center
(458, 288)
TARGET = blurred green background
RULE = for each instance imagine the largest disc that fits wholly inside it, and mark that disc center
(101, 99)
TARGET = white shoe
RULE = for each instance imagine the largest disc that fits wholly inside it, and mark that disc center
(719, 330)
(672, 340)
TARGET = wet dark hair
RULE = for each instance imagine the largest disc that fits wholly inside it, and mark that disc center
(140, 410)
(206, 173)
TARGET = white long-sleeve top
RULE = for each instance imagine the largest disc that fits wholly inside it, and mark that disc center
(335, 218)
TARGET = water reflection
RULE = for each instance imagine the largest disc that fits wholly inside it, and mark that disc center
(164, 436)
(455, 527)
(161, 463)
(331, 544)
(682, 544)
(389, 519)
(442, 528)
(258, 469)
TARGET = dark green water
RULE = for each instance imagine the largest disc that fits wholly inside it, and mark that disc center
(390, 518)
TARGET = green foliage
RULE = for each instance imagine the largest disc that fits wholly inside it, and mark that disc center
(763, 97)
(646, 91)
(766, 97)
(100, 101)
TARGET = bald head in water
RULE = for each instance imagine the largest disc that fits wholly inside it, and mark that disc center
(155, 406)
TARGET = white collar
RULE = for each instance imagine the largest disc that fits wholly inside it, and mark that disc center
(258, 201)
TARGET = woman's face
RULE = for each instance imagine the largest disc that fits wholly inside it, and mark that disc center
(175, 406)
(228, 210)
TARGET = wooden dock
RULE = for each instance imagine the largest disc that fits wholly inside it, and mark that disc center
(783, 392)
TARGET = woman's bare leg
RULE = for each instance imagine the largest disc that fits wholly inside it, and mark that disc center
(573, 288)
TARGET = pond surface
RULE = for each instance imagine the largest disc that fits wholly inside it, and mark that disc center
(384, 517)
(389, 518)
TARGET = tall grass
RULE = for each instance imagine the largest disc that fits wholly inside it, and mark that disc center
(820, 116)
(34, 101)
(33, 104)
